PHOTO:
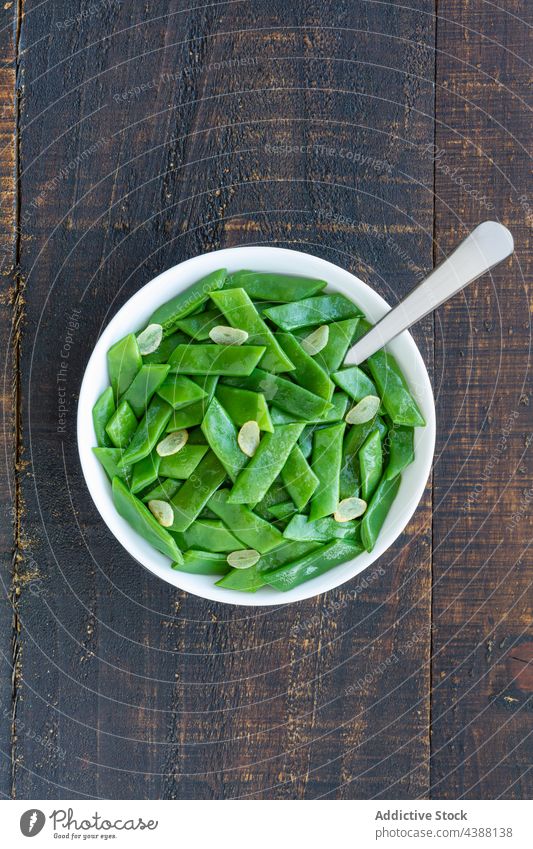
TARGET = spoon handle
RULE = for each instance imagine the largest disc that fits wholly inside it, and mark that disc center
(486, 246)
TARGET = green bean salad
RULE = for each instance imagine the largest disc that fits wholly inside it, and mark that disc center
(238, 445)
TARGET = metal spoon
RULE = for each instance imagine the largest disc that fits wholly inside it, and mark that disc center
(486, 246)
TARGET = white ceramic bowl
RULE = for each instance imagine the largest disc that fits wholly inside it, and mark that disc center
(134, 315)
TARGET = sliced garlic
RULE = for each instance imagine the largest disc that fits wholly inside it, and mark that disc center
(244, 558)
(365, 410)
(172, 443)
(162, 511)
(249, 437)
(222, 335)
(316, 341)
(349, 508)
(150, 339)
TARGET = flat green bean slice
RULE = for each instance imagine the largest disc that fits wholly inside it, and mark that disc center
(140, 391)
(145, 472)
(311, 311)
(164, 491)
(377, 510)
(243, 406)
(141, 520)
(240, 312)
(290, 397)
(199, 326)
(326, 464)
(355, 382)
(181, 465)
(165, 349)
(221, 434)
(275, 287)
(370, 464)
(187, 302)
(298, 478)
(394, 391)
(238, 361)
(283, 510)
(198, 562)
(123, 362)
(244, 580)
(312, 565)
(210, 535)
(262, 469)
(401, 450)
(307, 372)
(338, 404)
(301, 529)
(341, 334)
(322, 530)
(102, 412)
(151, 427)
(122, 425)
(252, 530)
(179, 391)
(192, 497)
(110, 459)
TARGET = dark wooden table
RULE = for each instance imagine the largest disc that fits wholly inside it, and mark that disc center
(374, 134)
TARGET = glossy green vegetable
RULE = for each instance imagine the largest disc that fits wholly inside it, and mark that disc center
(354, 382)
(110, 460)
(275, 287)
(252, 530)
(290, 397)
(245, 406)
(301, 529)
(312, 311)
(147, 435)
(326, 464)
(240, 312)
(194, 414)
(180, 466)
(370, 464)
(142, 521)
(244, 580)
(262, 469)
(192, 497)
(180, 391)
(288, 552)
(123, 362)
(312, 565)
(121, 426)
(307, 372)
(238, 361)
(187, 302)
(164, 491)
(221, 434)
(401, 450)
(377, 511)
(145, 472)
(210, 535)
(199, 326)
(147, 380)
(198, 562)
(341, 335)
(165, 349)
(397, 399)
(337, 411)
(102, 412)
(283, 510)
(298, 477)
(350, 481)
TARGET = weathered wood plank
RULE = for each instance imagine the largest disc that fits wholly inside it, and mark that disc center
(481, 715)
(143, 691)
(8, 394)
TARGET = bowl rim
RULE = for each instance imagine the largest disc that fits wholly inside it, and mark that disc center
(134, 314)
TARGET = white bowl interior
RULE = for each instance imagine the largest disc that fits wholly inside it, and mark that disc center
(134, 315)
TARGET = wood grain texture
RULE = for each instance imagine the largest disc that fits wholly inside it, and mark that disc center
(482, 525)
(9, 312)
